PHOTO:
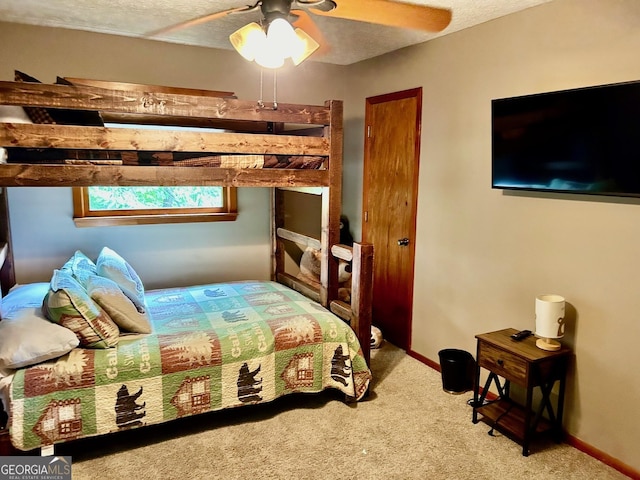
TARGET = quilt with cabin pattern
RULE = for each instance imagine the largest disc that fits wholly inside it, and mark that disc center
(212, 347)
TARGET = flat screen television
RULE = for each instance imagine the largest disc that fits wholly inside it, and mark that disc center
(584, 141)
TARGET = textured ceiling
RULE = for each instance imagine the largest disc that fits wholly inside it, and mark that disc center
(348, 41)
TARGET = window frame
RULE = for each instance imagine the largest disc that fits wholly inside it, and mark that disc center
(83, 216)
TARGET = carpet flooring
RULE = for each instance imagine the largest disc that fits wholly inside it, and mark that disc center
(408, 428)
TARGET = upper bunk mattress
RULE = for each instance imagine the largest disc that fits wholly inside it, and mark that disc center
(160, 159)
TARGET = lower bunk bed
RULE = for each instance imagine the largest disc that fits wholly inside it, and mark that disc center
(210, 347)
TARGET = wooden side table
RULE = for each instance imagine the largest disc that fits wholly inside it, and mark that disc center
(528, 366)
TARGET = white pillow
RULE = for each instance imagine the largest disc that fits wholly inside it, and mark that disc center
(81, 267)
(27, 295)
(26, 336)
(112, 266)
(13, 114)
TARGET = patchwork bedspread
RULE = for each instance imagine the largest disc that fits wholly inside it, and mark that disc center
(212, 347)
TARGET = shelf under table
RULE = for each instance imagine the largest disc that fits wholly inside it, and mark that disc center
(510, 418)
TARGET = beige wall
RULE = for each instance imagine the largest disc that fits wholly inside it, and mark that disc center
(483, 255)
(164, 255)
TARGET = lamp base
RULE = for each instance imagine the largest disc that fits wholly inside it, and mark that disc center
(548, 344)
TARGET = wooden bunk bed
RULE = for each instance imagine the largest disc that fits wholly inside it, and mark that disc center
(249, 129)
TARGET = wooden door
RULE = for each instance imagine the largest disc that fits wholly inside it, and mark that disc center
(390, 194)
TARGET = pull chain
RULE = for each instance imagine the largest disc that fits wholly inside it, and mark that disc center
(260, 102)
(275, 89)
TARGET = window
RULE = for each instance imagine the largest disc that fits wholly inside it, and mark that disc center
(103, 206)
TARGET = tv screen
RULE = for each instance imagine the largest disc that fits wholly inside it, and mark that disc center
(581, 141)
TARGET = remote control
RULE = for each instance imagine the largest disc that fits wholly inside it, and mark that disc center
(521, 335)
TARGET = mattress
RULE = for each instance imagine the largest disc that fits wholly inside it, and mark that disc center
(212, 347)
(167, 159)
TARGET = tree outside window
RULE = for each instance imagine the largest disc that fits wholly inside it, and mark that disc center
(103, 206)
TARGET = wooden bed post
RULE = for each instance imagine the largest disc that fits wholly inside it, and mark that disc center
(361, 295)
(277, 221)
(7, 273)
(331, 204)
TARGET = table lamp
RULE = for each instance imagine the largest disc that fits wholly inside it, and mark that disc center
(549, 321)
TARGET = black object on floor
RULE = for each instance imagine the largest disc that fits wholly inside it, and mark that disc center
(458, 370)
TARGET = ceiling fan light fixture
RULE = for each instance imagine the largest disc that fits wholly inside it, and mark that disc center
(304, 47)
(271, 49)
(249, 40)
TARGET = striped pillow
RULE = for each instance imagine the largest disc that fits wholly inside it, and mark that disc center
(36, 114)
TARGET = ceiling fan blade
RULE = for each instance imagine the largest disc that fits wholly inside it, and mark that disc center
(305, 22)
(199, 20)
(391, 13)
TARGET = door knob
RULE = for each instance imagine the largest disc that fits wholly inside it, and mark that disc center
(403, 242)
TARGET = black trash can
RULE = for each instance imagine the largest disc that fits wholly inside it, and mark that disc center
(458, 370)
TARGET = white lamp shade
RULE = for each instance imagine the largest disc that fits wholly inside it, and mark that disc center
(249, 40)
(269, 58)
(281, 37)
(550, 316)
(304, 47)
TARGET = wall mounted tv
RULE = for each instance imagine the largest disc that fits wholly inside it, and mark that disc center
(585, 141)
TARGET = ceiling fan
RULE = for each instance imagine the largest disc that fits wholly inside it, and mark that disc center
(286, 29)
